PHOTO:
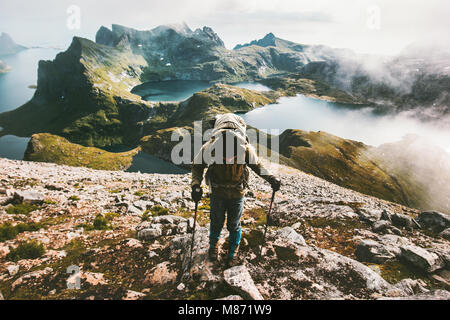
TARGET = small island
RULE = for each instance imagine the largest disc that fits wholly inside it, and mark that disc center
(4, 68)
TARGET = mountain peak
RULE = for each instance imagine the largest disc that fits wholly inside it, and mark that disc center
(8, 46)
(268, 41)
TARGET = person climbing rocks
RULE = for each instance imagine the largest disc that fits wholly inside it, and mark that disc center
(227, 155)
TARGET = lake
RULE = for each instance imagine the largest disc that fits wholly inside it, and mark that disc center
(14, 92)
(310, 114)
(172, 90)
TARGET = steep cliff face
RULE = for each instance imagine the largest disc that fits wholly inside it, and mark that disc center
(8, 46)
(84, 95)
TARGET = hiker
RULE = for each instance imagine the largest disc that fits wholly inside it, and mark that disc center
(227, 177)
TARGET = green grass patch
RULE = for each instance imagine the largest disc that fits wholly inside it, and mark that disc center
(44, 147)
(26, 250)
(22, 208)
(159, 211)
(8, 231)
(146, 216)
(100, 223)
(74, 198)
(110, 216)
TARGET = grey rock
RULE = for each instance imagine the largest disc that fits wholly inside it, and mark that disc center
(28, 197)
(289, 234)
(432, 295)
(54, 187)
(386, 215)
(421, 258)
(231, 297)
(134, 211)
(143, 205)
(151, 233)
(402, 220)
(434, 220)
(13, 269)
(411, 287)
(445, 234)
(372, 251)
(369, 215)
(168, 219)
(1, 296)
(199, 264)
(381, 226)
(240, 280)
(332, 268)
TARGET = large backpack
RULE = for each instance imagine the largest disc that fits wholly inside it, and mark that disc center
(229, 175)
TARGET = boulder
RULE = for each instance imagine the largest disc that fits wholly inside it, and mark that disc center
(134, 211)
(151, 233)
(445, 234)
(289, 234)
(332, 271)
(401, 220)
(369, 215)
(411, 287)
(28, 197)
(386, 216)
(421, 258)
(381, 226)
(437, 221)
(240, 280)
(372, 251)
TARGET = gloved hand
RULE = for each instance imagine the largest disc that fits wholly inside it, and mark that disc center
(275, 183)
(196, 193)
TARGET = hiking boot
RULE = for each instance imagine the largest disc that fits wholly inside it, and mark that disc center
(231, 262)
(213, 253)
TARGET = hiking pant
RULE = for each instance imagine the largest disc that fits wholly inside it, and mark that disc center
(233, 208)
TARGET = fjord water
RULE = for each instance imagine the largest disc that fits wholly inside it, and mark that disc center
(345, 121)
(171, 90)
(14, 92)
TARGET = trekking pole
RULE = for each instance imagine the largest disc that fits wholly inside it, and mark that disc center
(267, 223)
(193, 235)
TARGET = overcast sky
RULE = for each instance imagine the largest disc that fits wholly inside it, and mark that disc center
(378, 26)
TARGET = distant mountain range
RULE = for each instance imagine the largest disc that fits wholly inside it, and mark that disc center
(8, 46)
(84, 95)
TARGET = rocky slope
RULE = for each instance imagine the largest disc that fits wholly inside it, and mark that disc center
(410, 172)
(129, 234)
(8, 46)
